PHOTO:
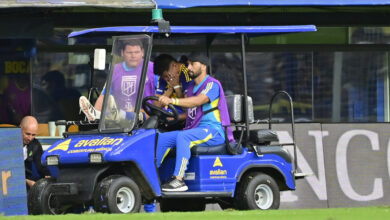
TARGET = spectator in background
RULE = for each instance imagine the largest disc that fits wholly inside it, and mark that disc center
(53, 82)
(32, 151)
(44, 108)
(15, 100)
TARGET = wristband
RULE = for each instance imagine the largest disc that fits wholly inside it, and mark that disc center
(175, 101)
(141, 116)
(176, 87)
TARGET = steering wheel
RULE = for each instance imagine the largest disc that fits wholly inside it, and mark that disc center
(162, 114)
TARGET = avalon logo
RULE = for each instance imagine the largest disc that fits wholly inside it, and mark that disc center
(217, 163)
(63, 146)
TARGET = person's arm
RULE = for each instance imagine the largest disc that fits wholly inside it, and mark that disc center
(99, 103)
(161, 89)
(208, 94)
(30, 183)
(178, 90)
(37, 155)
(142, 112)
(189, 102)
(168, 92)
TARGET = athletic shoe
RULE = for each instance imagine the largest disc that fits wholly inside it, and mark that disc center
(113, 110)
(111, 103)
(174, 185)
(88, 109)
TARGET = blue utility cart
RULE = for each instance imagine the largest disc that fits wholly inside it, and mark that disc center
(113, 167)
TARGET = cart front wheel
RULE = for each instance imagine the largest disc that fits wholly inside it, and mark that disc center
(117, 194)
(42, 201)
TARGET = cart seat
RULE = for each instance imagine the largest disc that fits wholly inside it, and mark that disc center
(235, 104)
(263, 136)
(236, 113)
(209, 150)
(204, 150)
(214, 150)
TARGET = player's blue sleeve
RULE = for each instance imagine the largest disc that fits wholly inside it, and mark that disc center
(160, 88)
(185, 79)
(211, 90)
(185, 87)
(156, 77)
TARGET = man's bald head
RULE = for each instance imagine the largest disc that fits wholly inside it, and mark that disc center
(29, 127)
(28, 120)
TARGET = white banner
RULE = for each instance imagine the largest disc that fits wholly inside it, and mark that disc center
(350, 164)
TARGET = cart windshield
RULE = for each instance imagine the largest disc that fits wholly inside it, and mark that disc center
(123, 91)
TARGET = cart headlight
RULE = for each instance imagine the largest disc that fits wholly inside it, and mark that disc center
(52, 160)
(95, 158)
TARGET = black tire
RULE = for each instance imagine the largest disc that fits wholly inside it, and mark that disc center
(257, 191)
(41, 201)
(117, 194)
(182, 205)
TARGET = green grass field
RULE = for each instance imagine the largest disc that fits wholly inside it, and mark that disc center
(369, 213)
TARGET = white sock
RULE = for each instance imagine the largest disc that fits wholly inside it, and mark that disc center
(97, 114)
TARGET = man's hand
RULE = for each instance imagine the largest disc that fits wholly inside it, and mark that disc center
(173, 79)
(30, 183)
(164, 100)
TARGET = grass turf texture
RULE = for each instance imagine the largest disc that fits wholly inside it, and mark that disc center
(370, 213)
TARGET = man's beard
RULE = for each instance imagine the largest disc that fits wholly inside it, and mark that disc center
(193, 74)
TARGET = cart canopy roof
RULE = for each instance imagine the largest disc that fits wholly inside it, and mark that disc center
(177, 4)
(251, 30)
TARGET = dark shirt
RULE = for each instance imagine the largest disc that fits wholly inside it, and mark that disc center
(184, 80)
(34, 154)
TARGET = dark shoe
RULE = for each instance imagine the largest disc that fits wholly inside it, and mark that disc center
(174, 185)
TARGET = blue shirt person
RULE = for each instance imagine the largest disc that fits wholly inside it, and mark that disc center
(172, 80)
(206, 115)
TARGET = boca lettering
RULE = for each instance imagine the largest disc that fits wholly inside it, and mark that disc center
(16, 67)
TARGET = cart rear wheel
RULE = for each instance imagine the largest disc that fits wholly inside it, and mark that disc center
(258, 191)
